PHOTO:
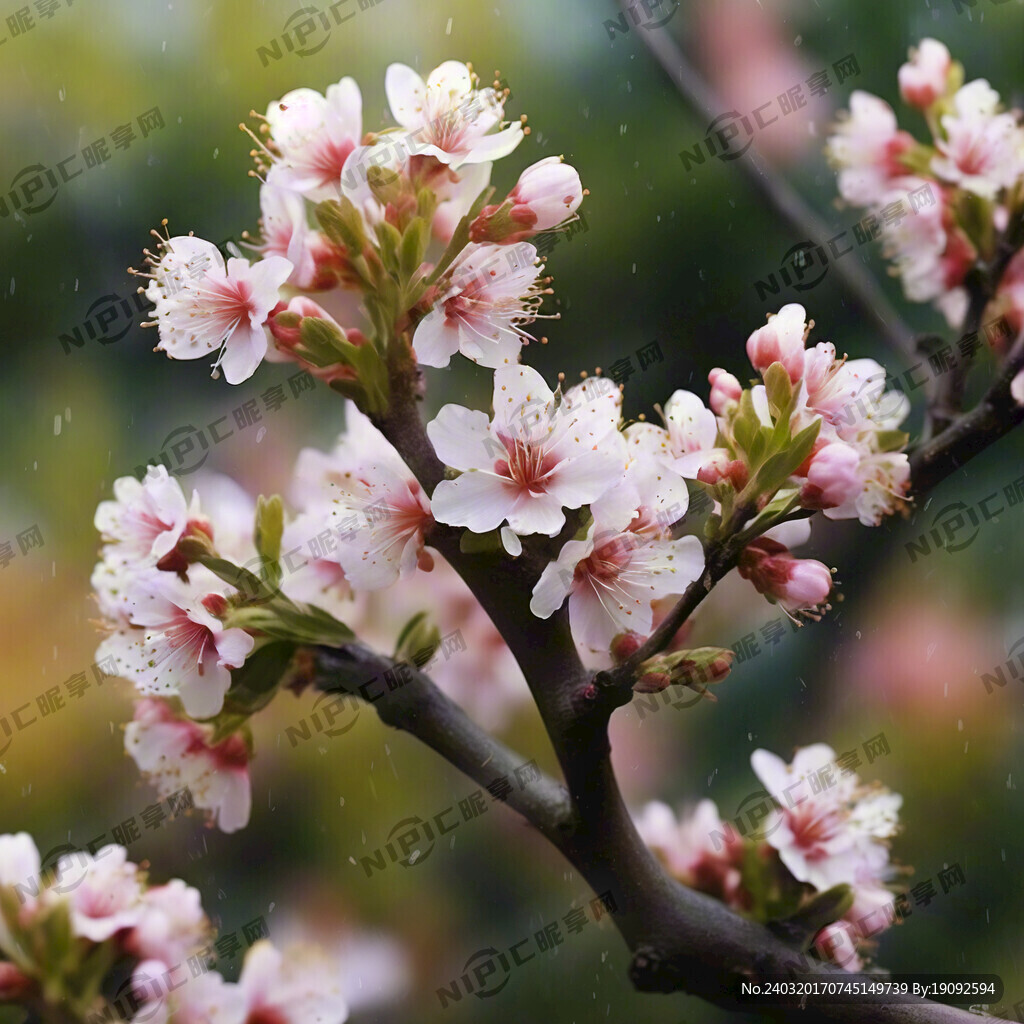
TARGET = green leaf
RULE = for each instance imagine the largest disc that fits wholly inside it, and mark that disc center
(267, 537)
(823, 909)
(247, 584)
(254, 683)
(745, 424)
(413, 247)
(891, 440)
(389, 241)
(418, 640)
(777, 470)
(342, 224)
(778, 387)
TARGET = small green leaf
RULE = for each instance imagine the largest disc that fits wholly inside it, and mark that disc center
(778, 388)
(418, 640)
(342, 224)
(267, 537)
(799, 928)
(480, 543)
(891, 440)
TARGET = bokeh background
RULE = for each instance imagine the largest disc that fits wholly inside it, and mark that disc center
(668, 257)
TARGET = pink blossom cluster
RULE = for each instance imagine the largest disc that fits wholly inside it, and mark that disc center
(311, 150)
(165, 633)
(969, 170)
(827, 829)
(62, 929)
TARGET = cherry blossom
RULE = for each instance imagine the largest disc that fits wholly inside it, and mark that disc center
(983, 151)
(146, 519)
(781, 340)
(798, 584)
(923, 78)
(203, 305)
(175, 753)
(701, 851)
(313, 136)
(447, 118)
(626, 561)
(828, 829)
(183, 648)
(531, 459)
(172, 924)
(492, 291)
(104, 892)
(547, 194)
(867, 148)
(290, 988)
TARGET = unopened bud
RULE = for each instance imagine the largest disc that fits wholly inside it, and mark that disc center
(625, 645)
(652, 682)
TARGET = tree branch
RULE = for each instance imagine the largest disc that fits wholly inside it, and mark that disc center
(418, 707)
(995, 415)
(862, 289)
(680, 939)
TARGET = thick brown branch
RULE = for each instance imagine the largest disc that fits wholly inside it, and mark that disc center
(418, 707)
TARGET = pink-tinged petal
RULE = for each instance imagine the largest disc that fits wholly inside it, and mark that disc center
(346, 101)
(696, 425)
(521, 397)
(556, 581)
(234, 646)
(243, 353)
(536, 513)
(583, 479)
(792, 534)
(451, 82)
(462, 439)
(231, 793)
(267, 276)
(494, 147)
(406, 93)
(202, 692)
(596, 616)
(490, 345)
(477, 500)
(771, 771)
(435, 340)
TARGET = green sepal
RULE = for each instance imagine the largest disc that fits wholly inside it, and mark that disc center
(891, 440)
(822, 910)
(778, 388)
(342, 224)
(779, 467)
(254, 684)
(418, 640)
(267, 538)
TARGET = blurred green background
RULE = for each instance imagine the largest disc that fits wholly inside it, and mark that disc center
(668, 256)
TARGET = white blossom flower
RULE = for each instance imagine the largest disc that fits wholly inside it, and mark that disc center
(531, 460)
(624, 563)
(104, 892)
(175, 753)
(182, 648)
(172, 925)
(203, 306)
(983, 151)
(828, 830)
(313, 136)
(447, 118)
(492, 291)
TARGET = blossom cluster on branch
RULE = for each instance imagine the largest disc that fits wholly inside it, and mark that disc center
(818, 860)
(412, 264)
(91, 936)
(970, 169)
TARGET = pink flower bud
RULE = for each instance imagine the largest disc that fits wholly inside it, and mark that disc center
(923, 79)
(287, 330)
(216, 604)
(195, 540)
(781, 340)
(832, 477)
(624, 645)
(725, 388)
(547, 193)
(652, 682)
(796, 583)
(13, 984)
(715, 470)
